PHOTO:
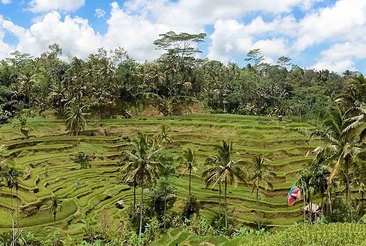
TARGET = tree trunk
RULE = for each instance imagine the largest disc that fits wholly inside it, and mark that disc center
(220, 200)
(164, 208)
(13, 243)
(304, 208)
(225, 204)
(190, 183)
(311, 208)
(348, 196)
(134, 197)
(330, 201)
(141, 209)
(17, 208)
(348, 190)
(257, 198)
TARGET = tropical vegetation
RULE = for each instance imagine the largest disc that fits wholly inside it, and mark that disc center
(111, 151)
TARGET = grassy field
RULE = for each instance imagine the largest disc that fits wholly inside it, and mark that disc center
(46, 159)
(325, 235)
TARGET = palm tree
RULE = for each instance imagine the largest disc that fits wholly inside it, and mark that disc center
(129, 176)
(341, 134)
(163, 136)
(260, 175)
(55, 206)
(222, 169)
(188, 161)
(75, 122)
(27, 82)
(10, 175)
(144, 164)
(304, 183)
(319, 179)
(356, 92)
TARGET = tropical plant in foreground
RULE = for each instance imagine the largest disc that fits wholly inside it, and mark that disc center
(221, 169)
(341, 134)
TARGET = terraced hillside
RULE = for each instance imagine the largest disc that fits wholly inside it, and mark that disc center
(46, 160)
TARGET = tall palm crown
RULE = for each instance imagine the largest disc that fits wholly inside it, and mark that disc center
(222, 169)
(75, 122)
(55, 206)
(143, 167)
(341, 134)
(188, 161)
(260, 175)
(144, 160)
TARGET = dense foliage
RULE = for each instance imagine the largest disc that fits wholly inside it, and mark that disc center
(110, 83)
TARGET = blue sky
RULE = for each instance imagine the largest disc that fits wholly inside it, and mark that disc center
(320, 34)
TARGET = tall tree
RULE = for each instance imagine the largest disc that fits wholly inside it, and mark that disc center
(178, 60)
(342, 146)
(260, 175)
(188, 161)
(55, 207)
(304, 183)
(222, 169)
(75, 121)
(144, 162)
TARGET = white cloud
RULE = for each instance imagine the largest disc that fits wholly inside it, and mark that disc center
(52, 29)
(197, 13)
(308, 4)
(339, 57)
(336, 66)
(232, 37)
(338, 29)
(275, 47)
(331, 23)
(135, 33)
(99, 13)
(5, 49)
(60, 5)
(5, 1)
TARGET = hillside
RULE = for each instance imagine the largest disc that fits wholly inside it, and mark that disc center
(46, 160)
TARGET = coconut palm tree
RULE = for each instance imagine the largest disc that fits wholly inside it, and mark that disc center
(341, 134)
(319, 180)
(188, 161)
(27, 82)
(304, 183)
(260, 175)
(144, 166)
(129, 176)
(75, 122)
(222, 169)
(55, 206)
(10, 175)
(356, 92)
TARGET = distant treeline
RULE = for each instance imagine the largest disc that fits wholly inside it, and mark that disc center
(110, 83)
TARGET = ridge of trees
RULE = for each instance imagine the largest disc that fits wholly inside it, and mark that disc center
(110, 83)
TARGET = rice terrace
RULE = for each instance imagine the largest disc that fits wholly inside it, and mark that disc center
(47, 161)
(182, 123)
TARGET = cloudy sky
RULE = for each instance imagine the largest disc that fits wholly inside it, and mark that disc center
(314, 33)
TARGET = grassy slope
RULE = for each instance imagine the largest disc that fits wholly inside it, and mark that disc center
(325, 235)
(47, 157)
